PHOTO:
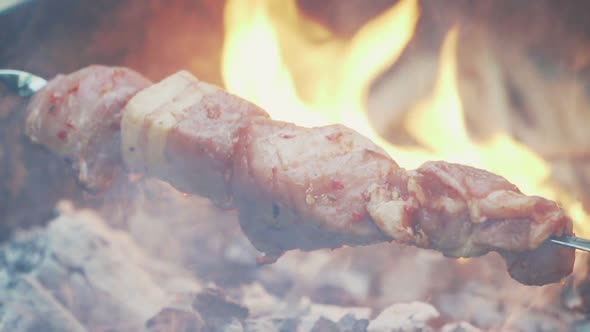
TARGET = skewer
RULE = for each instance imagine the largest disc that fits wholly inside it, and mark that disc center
(26, 84)
(23, 83)
(571, 242)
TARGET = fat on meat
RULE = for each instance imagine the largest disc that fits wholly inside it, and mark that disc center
(183, 130)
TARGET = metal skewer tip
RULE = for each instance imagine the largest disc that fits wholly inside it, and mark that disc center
(571, 242)
(23, 83)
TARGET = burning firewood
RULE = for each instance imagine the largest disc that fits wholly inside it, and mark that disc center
(344, 190)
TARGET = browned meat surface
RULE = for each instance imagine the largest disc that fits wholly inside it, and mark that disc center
(295, 187)
(464, 211)
(78, 116)
(306, 188)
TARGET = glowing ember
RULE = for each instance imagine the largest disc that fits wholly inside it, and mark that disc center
(272, 57)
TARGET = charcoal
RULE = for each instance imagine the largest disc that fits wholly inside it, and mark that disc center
(24, 253)
(175, 320)
(231, 325)
(349, 323)
(488, 308)
(25, 306)
(77, 274)
(325, 325)
(214, 306)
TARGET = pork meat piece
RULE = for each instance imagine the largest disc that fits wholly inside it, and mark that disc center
(305, 188)
(464, 211)
(78, 116)
(184, 130)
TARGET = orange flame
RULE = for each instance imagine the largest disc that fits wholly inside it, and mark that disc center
(272, 57)
(337, 73)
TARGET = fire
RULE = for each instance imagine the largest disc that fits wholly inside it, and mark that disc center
(272, 57)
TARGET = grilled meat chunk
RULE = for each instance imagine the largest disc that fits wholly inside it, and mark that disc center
(464, 211)
(302, 188)
(184, 131)
(78, 116)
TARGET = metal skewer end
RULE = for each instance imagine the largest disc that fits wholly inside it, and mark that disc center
(571, 242)
(23, 83)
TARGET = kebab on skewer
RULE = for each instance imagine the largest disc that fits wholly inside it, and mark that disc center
(293, 187)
